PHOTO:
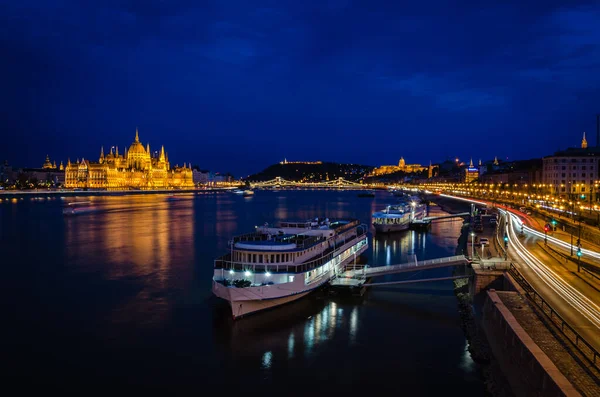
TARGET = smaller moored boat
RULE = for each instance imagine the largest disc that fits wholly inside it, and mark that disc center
(78, 208)
(397, 217)
(247, 193)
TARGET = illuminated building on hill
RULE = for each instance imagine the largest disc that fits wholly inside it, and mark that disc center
(402, 166)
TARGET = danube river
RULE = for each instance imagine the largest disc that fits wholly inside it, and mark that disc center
(121, 296)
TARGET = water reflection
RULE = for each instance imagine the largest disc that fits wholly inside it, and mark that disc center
(140, 271)
(138, 239)
(299, 329)
(266, 360)
(353, 325)
(394, 248)
(291, 346)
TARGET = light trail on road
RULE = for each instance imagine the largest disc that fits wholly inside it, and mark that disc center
(557, 241)
(550, 239)
(576, 299)
(562, 288)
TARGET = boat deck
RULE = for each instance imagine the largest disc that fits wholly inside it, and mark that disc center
(346, 282)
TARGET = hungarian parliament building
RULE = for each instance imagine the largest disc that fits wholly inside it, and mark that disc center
(134, 169)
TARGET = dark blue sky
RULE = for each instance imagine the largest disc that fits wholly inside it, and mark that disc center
(238, 85)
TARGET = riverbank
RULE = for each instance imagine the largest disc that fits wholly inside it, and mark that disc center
(10, 194)
(478, 346)
(449, 205)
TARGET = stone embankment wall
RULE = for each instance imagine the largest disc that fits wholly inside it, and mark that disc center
(528, 369)
(485, 280)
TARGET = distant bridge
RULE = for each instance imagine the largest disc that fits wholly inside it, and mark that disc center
(339, 183)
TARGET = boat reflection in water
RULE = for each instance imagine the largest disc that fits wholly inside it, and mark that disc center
(295, 330)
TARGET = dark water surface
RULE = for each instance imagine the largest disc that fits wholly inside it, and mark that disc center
(122, 297)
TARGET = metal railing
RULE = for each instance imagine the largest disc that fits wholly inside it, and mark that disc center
(412, 265)
(594, 275)
(569, 332)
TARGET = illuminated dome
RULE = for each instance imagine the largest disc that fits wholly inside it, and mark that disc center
(137, 157)
(136, 147)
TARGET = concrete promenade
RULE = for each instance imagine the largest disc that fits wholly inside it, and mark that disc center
(535, 359)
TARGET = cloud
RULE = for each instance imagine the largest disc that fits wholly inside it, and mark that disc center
(446, 94)
(566, 50)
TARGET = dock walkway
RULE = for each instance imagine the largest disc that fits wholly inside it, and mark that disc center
(357, 278)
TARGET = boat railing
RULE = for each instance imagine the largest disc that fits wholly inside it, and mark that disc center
(226, 263)
(302, 241)
(254, 236)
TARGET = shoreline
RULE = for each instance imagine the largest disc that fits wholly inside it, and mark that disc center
(478, 346)
(9, 194)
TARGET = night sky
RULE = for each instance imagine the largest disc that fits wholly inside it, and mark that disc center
(238, 85)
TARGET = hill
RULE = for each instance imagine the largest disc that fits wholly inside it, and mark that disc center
(312, 172)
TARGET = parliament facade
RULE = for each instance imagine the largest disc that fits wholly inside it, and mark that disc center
(135, 169)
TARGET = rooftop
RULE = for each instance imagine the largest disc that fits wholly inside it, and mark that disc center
(576, 151)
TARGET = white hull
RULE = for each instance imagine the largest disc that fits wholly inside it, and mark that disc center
(381, 228)
(242, 308)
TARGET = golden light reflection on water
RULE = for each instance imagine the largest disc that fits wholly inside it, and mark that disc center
(137, 233)
(226, 220)
(145, 240)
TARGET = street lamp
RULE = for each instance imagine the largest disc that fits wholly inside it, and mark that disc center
(472, 245)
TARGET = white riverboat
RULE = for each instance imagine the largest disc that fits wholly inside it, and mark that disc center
(398, 217)
(281, 263)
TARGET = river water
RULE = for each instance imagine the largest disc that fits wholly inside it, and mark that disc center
(121, 297)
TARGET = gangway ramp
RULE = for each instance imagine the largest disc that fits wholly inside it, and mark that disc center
(368, 272)
(435, 218)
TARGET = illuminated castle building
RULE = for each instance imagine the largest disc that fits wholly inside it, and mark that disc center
(402, 166)
(135, 169)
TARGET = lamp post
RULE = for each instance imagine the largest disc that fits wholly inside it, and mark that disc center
(571, 230)
(579, 246)
(472, 245)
